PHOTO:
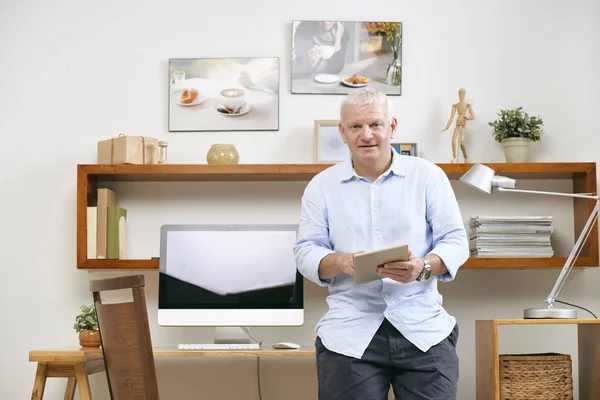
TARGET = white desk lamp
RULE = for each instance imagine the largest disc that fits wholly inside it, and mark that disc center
(484, 179)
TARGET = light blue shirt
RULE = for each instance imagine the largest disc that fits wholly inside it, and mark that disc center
(411, 203)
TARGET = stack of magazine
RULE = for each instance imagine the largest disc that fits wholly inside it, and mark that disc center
(493, 236)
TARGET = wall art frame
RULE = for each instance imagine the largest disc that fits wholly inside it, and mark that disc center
(223, 94)
(336, 57)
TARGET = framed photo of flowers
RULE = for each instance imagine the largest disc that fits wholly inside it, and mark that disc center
(406, 149)
(336, 57)
(329, 146)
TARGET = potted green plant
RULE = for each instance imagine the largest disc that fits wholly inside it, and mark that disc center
(86, 324)
(515, 130)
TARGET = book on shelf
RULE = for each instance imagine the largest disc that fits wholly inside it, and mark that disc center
(115, 233)
(106, 198)
(92, 226)
(510, 236)
(106, 227)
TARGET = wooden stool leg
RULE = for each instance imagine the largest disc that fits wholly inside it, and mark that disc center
(487, 376)
(589, 361)
(40, 381)
(82, 382)
(70, 390)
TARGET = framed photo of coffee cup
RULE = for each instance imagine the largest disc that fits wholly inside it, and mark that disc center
(406, 149)
(336, 57)
(223, 94)
(329, 146)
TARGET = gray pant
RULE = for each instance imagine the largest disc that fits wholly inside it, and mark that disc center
(390, 359)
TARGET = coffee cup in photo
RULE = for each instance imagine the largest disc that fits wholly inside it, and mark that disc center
(326, 51)
(233, 98)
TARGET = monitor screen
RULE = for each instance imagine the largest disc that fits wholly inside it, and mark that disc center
(229, 275)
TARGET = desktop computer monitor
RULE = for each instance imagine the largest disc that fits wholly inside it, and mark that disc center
(229, 276)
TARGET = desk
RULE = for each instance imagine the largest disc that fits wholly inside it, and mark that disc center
(488, 358)
(77, 364)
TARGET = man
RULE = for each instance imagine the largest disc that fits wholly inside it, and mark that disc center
(394, 330)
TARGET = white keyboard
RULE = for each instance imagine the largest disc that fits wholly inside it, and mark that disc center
(220, 346)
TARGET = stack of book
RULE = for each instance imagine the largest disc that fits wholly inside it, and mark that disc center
(493, 236)
(106, 227)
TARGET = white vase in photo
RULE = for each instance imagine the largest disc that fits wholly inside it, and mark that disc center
(516, 149)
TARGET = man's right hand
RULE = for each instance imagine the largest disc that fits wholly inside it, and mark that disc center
(336, 263)
(346, 263)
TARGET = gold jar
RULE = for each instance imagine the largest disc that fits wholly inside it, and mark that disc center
(222, 154)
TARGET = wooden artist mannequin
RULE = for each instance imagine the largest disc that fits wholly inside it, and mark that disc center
(461, 125)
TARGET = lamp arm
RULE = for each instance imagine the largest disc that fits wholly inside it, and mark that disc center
(564, 273)
(576, 195)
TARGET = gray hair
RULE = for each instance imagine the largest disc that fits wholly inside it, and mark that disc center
(366, 96)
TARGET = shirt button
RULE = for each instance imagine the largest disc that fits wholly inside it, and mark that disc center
(376, 233)
(385, 296)
(375, 209)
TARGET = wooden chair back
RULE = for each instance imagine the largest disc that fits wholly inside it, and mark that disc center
(126, 342)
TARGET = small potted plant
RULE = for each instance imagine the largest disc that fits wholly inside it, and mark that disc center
(86, 324)
(515, 129)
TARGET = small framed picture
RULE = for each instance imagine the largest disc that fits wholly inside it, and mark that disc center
(329, 146)
(406, 149)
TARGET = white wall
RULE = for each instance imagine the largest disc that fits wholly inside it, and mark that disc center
(73, 73)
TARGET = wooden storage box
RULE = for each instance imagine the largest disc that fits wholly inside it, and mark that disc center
(128, 150)
(545, 376)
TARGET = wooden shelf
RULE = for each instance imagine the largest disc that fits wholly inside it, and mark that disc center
(472, 263)
(146, 264)
(521, 262)
(565, 170)
(304, 172)
(487, 355)
(203, 172)
(89, 176)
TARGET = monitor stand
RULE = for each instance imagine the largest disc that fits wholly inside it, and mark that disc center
(231, 335)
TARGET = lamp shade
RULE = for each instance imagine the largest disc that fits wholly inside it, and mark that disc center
(480, 177)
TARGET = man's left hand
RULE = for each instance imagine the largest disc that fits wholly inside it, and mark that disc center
(402, 271)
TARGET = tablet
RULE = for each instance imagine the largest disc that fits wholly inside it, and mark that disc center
(365, 264)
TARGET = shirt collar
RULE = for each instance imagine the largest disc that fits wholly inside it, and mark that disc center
(398, 167)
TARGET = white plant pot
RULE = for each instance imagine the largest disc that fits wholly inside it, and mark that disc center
(516, 149)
